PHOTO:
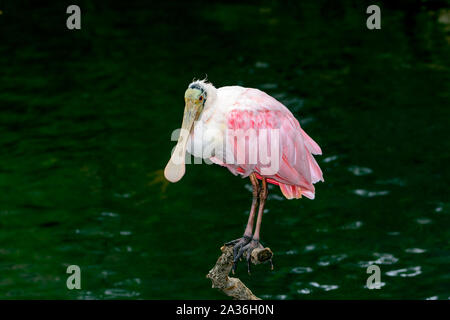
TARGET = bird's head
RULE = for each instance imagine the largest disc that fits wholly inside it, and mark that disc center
(195, 98)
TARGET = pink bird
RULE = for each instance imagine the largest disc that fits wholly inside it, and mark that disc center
(253, 135)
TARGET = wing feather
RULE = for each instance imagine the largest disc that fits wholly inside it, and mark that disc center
(298, 169)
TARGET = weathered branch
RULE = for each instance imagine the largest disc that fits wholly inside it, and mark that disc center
(234, 287)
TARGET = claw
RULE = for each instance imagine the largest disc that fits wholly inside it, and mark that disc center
(249, 257)
(236, 249)
(240, 253)
(232, 242)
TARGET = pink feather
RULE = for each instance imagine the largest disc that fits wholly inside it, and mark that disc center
(298, 170)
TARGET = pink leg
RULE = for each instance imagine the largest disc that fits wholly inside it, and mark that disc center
(251, 217)
(262, 201)
(238, 244)
(255, 241)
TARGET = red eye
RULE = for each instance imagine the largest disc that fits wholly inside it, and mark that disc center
(201, 98)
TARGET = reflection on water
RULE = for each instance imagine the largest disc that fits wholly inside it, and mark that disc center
(299, 270)
(423, 220)
(415, 250)
(276, 197)
(290, 252)
(331, 260)
(406, 272)
(330, 158)
(312, 247)
(359, 171)
(261, 65)
(308, 288)
(326, 287)
(85, 131)
(353, 225)
(304, 291)
(120, 294)
(382, 258)
(370, 194)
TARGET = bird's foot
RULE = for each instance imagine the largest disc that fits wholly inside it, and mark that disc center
(238, 248)
(248, 249)
(246, 245)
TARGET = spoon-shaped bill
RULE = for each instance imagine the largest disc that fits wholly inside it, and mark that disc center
(175, 168)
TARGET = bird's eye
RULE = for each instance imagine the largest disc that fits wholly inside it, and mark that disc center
(201, 98)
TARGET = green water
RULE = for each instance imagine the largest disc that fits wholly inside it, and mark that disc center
(85, 124)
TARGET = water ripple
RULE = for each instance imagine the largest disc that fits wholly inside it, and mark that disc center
(415, 250)
(123, 195)
(120, 293)
(261, 65)
(330, 158)
(128, 282)
(383, 258)
(304, 291)
(326, 287)
(330, 260)
(441, 207)
(406, 272)
(289, 252)
(309, 287)
(353, 225)
(424, 220)
(359, 171)
(300, 270)
(109, 214)
(370, 194)
(312, 247)
(274, 196)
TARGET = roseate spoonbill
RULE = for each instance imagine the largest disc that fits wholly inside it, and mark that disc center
(216, 126)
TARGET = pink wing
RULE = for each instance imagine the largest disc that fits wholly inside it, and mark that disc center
(297, 168)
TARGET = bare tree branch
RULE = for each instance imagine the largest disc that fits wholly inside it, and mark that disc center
(234, 287)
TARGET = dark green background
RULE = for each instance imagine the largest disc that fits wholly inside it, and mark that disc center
(85, 124)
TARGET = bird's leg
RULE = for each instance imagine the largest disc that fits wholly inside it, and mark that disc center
(255, 241)
(238, 244)
(262, 201)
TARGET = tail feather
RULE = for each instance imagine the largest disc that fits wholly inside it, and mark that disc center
(296, 192)
(316, 172)
(312, 146)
